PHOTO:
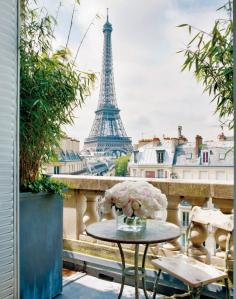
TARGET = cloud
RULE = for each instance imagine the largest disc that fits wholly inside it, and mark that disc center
(152, 93)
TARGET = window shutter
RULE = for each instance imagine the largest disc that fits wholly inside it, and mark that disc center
(8, 148)
(207, 157)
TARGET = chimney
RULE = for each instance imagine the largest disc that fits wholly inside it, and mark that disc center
(198, 143)
(221, 137)
(179, 131)
(156, 141)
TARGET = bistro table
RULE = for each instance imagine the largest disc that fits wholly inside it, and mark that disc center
(155, 232)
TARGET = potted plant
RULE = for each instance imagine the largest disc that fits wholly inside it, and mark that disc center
(50, 88)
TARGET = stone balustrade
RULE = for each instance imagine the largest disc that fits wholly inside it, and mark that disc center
(82, 200)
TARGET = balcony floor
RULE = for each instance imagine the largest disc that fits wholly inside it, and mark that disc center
(81, 285)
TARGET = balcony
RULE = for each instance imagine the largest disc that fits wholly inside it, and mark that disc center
(102, 260)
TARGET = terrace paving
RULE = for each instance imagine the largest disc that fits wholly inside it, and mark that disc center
(80, 285)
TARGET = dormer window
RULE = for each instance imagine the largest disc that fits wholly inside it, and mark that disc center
(62, 155)
(160, 156)
(189, 156)
(222, 156)
(205, 157)
(56, 170)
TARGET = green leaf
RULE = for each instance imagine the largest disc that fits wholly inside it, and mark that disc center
(49, 82)
(182, 25)
(194, 38)
(211, 61)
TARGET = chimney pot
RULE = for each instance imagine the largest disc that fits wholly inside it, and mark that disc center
(221, 137)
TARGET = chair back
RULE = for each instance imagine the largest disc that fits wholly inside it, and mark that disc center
(212, 218)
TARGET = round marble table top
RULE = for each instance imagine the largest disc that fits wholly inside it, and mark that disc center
(156, 232)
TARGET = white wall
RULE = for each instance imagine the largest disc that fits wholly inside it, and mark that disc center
(211, 173)
(66, 167)
(188, 173)
(140, 170)
(68, 144)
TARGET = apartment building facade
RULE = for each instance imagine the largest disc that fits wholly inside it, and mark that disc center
(69, 159)
(177, 158)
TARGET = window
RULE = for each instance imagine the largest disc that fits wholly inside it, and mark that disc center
(150, 174)
(183, 239)
(185, 219)
(222, 156)
(187, 175)
(160, 156)
(205, 157)
(220, 175)
(189, 156)
(134, 172)
(203, 175)
(160, 173)
(56, 169)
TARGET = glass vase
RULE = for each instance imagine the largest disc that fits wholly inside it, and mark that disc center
(130, 224)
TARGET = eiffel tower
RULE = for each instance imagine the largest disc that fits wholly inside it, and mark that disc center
(107, 134)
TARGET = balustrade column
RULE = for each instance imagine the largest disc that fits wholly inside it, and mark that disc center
(109, 216)
(197, 237)
(74, 209)
(210, 243)
(219, 258)
(173, 217)
(220, 235)
(200, 233)
(91, 214)
(81, 208)
(172, 209)
(225, 205)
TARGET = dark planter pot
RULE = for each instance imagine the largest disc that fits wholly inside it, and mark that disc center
(41, 219)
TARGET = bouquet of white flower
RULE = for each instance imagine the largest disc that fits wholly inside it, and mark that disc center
(138, 198)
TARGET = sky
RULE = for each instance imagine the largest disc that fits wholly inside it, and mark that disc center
(154, 96)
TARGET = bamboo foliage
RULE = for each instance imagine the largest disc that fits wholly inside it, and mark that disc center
(51, 86)
(210, 56)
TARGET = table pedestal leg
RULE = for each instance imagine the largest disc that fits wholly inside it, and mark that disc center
(136, 277)
(123, 270)
(143, 269)
(136, 272)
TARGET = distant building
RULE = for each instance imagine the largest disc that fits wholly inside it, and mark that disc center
(177, 158)
(69, 160)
